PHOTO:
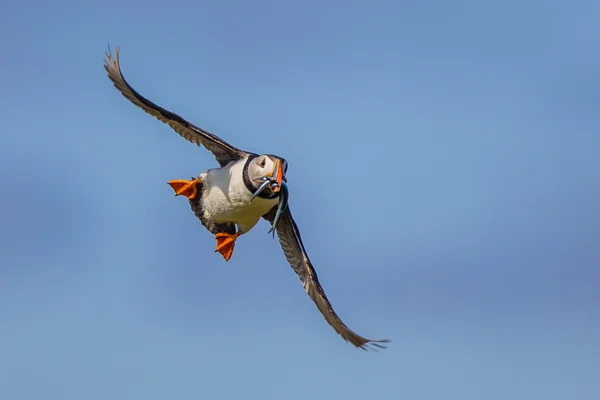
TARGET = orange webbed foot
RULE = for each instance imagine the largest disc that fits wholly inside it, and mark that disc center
(183, 187)
(226, 243)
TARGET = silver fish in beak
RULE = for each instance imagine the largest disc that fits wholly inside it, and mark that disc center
(277, 185)
(262, 187)
(284, 195)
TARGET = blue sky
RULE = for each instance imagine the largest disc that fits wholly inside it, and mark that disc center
(443, 172)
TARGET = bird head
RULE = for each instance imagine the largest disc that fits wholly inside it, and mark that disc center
(267, 174)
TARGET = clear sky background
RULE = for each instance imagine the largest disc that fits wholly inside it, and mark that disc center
(444, 173)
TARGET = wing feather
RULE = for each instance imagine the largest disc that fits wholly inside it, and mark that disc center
(223, 151)
(293, 248)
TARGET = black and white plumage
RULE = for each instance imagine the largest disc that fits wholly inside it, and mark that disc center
(225, 198)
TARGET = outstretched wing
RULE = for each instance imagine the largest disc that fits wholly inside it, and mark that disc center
(223, 151)
(291, 243)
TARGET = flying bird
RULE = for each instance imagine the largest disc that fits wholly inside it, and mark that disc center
(230, 200)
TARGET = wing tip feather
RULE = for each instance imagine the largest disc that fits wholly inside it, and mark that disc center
(373, 345)
(109, 60)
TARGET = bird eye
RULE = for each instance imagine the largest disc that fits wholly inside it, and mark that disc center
(263, 162)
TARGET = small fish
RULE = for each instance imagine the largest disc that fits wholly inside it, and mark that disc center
(262, 187)
(283, 202)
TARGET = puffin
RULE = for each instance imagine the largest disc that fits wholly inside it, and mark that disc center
(231, 199)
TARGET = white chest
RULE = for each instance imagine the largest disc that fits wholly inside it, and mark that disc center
(226, 198)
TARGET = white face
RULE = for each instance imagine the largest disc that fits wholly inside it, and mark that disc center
(260, 166)
(265, 165)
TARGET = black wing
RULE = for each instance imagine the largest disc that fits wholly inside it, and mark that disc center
(291, 243)
(223, 151)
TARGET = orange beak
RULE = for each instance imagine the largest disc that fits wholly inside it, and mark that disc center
(277, 173)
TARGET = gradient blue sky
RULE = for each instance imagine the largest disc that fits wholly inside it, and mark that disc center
(443, 170)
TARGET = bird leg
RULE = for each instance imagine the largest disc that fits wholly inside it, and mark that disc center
(183, 187)
(226, 243)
